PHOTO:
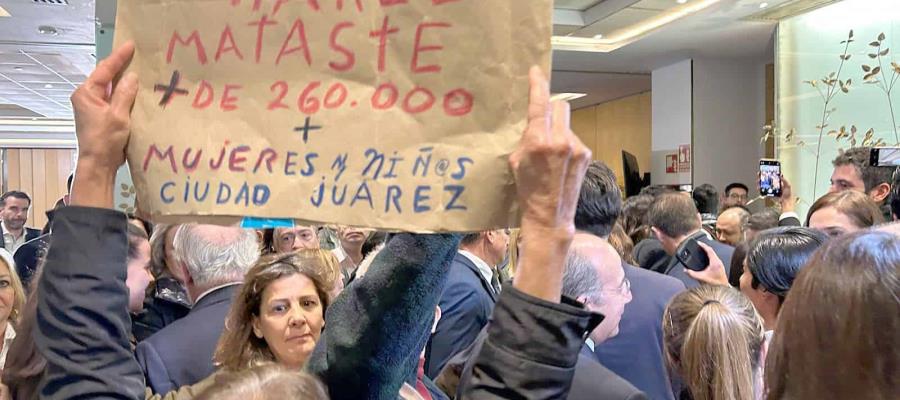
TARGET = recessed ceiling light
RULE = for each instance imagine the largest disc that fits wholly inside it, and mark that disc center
(48, 30)
(48, 86)
(598, 36)
(763, 5)
(3, 12)
(681, 1)
(566, 96)
(18, 68)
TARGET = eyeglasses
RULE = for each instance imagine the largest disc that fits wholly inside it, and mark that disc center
(624, 288)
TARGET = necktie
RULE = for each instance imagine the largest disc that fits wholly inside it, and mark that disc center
(495, 280)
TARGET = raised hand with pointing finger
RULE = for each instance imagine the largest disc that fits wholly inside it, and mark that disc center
(102, 124)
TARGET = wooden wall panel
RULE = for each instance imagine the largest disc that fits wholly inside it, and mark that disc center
(41, 173)
(609, 128)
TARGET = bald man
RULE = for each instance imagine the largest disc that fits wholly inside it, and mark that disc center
(594, 276)
(731, 226)
(614, 289)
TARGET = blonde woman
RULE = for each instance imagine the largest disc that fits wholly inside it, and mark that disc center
(12, 299)
(713, 339)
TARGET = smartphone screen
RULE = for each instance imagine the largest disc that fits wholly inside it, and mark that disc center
(770, 178)
(885, 157)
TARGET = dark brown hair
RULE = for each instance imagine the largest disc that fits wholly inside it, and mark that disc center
(238, 348)
(858, 157)
(674, 214)
(857, 206)
(838, 335)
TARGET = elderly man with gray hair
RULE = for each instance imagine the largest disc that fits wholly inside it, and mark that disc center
(214, 260)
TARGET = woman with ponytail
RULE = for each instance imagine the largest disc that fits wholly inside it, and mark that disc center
(713, 339)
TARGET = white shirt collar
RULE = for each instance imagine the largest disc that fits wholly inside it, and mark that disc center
(202, 295)
(482, 266)
(6, 230)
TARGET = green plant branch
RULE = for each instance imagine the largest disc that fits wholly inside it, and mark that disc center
(887, 91)
(825, 114)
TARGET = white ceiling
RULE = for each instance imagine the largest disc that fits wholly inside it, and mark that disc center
(38, 71)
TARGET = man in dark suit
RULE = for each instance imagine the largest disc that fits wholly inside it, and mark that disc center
(214, 259)
(468, 297)
(593, 276)
(14, 215)
(636, 353)
(674, 220)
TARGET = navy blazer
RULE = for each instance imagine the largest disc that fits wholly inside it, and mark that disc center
(466, 304)
(636, 353)
(181, 354)
(675, 268)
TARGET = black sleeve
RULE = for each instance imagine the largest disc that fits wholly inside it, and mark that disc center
(83, 326)
(531, 349)
(789, 221)
(377, 327)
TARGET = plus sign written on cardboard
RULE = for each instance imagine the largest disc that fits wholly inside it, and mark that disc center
(170, 90)
(306, 129)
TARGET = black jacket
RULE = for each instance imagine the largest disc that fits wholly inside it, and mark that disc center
(167, 303)
(530, 350)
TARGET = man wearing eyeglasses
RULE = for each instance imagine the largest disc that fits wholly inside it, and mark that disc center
(736, 194)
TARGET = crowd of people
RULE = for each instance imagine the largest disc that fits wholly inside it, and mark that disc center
(588, 299)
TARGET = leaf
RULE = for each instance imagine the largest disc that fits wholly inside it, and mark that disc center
(853, 142)
(845, 57)
(812, 83)
(873, 55)
(875, 44)
(870, 133)
(123, 206)
(124, 186)
(876, 70)
(895, 67)
(881, 36)
(845, 89)
(851, 34)
(831, 133)
(866, 68)
(790, 135)
(884, 52)
(832, 75)
(853, 129)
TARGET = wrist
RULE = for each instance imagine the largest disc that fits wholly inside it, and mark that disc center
(95, 169)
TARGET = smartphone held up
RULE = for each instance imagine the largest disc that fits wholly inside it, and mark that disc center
(770, 179)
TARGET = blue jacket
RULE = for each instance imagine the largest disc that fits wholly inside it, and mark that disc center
(181, 354)
(466, 304)
(636, 353)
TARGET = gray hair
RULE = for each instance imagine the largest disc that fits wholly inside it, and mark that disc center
(580, 278)
(215, 261)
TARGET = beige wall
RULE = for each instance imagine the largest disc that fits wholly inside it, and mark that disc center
(617, 125)
(41, 173)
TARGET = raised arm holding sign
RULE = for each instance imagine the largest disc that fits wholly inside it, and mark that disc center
(395, 114)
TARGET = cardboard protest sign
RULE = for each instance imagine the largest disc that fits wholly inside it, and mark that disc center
(396, 114)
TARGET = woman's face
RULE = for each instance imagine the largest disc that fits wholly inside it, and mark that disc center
(832, 222)
(290, 319)
(7, 293)
(138, 277)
